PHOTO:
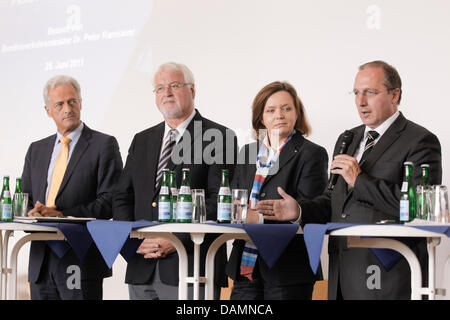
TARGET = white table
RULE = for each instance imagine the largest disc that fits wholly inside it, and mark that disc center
(9, 263)
(197, 232)
(354, 234)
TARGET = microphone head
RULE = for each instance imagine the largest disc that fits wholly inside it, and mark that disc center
(347, 137)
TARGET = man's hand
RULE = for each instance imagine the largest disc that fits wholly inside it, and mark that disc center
(347, 167)
(155, 248)
(252, 216)
(285, 209)
(40, 210)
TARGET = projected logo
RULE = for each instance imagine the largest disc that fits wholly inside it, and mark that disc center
(93, 41)
(73, 22)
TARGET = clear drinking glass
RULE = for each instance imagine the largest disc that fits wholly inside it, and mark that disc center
(20, 204)
(239, 200)
(423, 199)
(198, 206)
(439, 204)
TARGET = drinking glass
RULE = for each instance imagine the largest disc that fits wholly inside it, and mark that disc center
(423, 198)
(20, 204)
(439, 204)
(239, 199)
(198, 206)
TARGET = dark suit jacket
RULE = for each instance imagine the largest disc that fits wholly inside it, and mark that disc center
(86, 191)
(375, 197)
(302, 174)
(135, 193)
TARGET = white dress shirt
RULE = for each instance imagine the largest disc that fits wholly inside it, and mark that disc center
(381, 129)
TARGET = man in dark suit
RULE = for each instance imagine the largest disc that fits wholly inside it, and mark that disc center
(70, 173)
(368, 187)
(178, 142)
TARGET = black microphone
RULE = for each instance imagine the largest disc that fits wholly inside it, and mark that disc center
(347, 138)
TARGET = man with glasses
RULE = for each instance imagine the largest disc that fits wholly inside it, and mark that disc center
(175, 143)
(368, 187)
(71, 173)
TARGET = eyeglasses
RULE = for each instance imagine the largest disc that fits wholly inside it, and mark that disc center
(71, 102)
(368, 92)
(174, 86)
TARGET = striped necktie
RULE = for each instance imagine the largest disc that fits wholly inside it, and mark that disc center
(263, 165)
(370, 142)
(165, 155)
(58, 171)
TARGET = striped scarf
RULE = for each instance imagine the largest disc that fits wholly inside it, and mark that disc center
(264, 163)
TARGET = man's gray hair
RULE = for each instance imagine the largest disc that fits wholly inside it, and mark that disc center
(58, 81)
(173, 66)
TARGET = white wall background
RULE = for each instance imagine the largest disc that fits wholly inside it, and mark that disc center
(233, 47)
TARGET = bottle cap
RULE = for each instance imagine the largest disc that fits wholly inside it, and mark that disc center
(408, 163)
(424, 165)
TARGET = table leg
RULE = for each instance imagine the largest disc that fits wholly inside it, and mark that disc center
(209, 268)
(15, 253)
(5, 270)
(431, 244)
(197, 238)
(182, 260)
(382, 243)
(446, 290)
(1, 264)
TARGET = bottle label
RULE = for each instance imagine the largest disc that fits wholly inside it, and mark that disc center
(404, 187)
(184, 210)
(6, 194)
(164, 190)
(174, 191)
(6, 211)
(163, 210)
(224, 191)
(185, 190)
(404, 210)
(223, 211)
(174, 210)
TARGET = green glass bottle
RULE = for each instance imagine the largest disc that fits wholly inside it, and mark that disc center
(425, 174)
(173, 195)
(224, 199)
(18, 199)
(423, 205)
(18, 186)
(5, 201)
(164, 212)
(184, 204)
(408, 194)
